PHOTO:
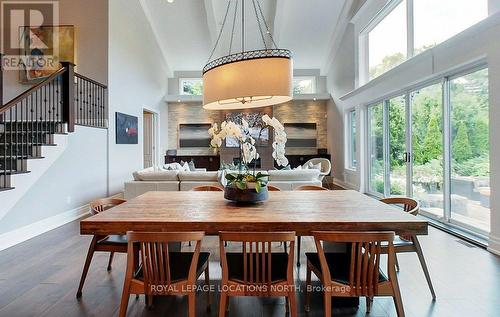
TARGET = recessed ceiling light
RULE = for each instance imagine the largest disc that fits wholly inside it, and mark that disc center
(170, 1)
(178, 100)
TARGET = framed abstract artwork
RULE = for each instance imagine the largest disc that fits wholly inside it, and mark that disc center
(126, 129)
(42, 50)
(254, 120)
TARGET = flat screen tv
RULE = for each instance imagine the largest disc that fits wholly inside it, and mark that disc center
(194, 135)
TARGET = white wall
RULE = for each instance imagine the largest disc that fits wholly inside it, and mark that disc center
(90, 19)
(137, 79)
(476, 44)
(79, 173)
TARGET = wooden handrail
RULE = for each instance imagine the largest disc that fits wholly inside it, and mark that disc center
(41, 84)
(91, 80)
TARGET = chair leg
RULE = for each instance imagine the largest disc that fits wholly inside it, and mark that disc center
(328, 304)
(86, 266)
(369, 302)
(192, 304)
(398, 302)
(299, 239)
(189, 243)
(396, 262)
(223, 304)
(293, 303)
(111, 254)
(307, 307)
(207, 283)
(284, 247)
(125, 298)
(149, 301)
(420, 254)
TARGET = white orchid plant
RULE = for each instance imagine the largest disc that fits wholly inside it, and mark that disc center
(248, 149)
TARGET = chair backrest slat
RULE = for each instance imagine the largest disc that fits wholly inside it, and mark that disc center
(154, 254)
(365, 258)
(409, 205)
(256, 253)
(207, 188)
(310, 187)
(100, 205)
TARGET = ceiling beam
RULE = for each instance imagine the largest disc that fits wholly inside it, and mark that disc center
(338, 33)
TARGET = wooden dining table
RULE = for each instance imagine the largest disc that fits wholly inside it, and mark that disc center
(299, 211)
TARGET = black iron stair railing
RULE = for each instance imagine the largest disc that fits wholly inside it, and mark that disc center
(53, 106)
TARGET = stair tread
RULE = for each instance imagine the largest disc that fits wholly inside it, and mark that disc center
(19, 157)
(28, 143)
(3, 172)
(2, 189)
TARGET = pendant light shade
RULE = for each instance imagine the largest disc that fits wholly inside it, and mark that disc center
(248, 79)
(248, 83)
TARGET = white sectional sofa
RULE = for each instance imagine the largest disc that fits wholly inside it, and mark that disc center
(157, 179)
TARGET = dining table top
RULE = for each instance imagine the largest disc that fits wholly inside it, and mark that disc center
(299, 211)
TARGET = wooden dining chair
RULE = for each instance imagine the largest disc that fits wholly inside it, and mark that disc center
(355, 273)
(257, 271)
(299, 238)
(409, 243)
(111, 243)
(163, 272)
(311, 187)
(207, 188)
(272, 188)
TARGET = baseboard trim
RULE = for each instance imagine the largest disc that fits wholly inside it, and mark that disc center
(14, 237)
(341, 183)
(494, 245)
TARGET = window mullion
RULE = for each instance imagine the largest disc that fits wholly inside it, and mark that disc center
(410, 29)
(447, 148)
(387, 167)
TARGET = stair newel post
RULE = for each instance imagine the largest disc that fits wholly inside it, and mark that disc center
(68, 95)
(1, 85)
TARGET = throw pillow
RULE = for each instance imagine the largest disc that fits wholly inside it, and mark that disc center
(298, 168)
(192, 168)
(185, 167)
(315, 166)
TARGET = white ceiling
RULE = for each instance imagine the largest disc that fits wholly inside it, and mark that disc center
(187, 29)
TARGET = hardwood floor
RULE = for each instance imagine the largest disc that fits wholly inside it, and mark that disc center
(40, 278)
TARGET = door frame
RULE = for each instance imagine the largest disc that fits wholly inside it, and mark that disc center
(156, 134)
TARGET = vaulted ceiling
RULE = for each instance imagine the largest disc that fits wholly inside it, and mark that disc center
(187, 30)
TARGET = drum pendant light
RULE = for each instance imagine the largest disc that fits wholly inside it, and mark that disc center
(247, 79)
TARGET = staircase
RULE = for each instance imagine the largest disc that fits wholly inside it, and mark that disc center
(29, 122)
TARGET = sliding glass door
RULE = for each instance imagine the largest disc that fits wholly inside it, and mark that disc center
(470, 148)
(433, 144)
(376, 148)
(427, 148)
(397, 156)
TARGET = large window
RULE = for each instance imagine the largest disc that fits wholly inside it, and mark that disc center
(304, 85)
(436, 21)
(432, 143)
(394, 36)
(387, 42)
(351, 135)
(191, 86)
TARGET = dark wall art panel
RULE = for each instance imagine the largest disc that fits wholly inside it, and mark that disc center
(126, 129)
(301, 134)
